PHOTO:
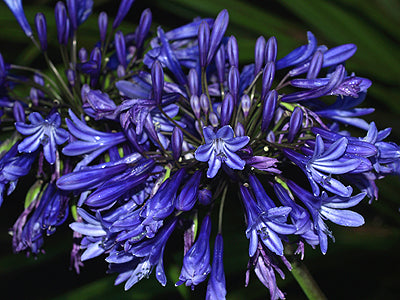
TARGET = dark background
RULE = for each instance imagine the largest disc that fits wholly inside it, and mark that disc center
(362, 264)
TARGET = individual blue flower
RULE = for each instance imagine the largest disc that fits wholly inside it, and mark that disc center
(50, 212)
(141, 259)
(46, 132)
(196, 263)
(220, 148)
(328, 208)
(322, 161)
(161, 205)
(12, 167)
(98, 238)
(265, 224)
(88, 140)
(216, 284)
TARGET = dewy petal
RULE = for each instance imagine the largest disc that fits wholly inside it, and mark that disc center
(336, 167)
(341, 202)
(31, 143)
(343, 217)
(335, 151)
(88, 229)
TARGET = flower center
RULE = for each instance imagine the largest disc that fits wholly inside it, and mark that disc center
(218, 147)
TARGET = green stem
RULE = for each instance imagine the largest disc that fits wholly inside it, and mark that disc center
(306, 281)
(221, 209)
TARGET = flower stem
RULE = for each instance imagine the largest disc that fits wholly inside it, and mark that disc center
(306, 281)
(221, 209)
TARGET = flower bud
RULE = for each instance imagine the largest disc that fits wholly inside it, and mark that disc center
(203, 41)
(143, 28)
(19, 112)
(41, 28)
(103, 23)
(217, 33)
(271, 50)
(259, 52)
(176, 143)
(193, 82)
(120, 48)
(233, 52)
(239, 130)
(157, 79)
(205, 197)
(82, 54)
(60, 13)
(213, 119)
(233, 83)
(295, 123)
(16, 8)
(188, 196)
(195, 104)
(204, 103)
(269, 109)
(72, 12)
(123, 10)
(267, 79)
(227, 109)
(245, 104)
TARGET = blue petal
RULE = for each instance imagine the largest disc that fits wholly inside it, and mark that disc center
(209, 134)
(233, 161)
(204, 152)
(236, 143)
(225, 133)
(342, 217)
(214, 164)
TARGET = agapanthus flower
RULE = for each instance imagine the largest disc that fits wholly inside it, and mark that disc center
(196, 263)
(165, 128)
(220, 148)
(46, 132)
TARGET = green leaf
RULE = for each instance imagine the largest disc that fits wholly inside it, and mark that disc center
(33, 192)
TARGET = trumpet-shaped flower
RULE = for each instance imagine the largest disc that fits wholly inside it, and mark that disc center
(46, 132)
(220, 148)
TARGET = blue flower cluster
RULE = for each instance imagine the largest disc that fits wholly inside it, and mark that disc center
(147, 132)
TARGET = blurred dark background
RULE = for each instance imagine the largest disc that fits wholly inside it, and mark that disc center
(362, 264)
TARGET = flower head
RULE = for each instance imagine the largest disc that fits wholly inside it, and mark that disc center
(144, 111)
